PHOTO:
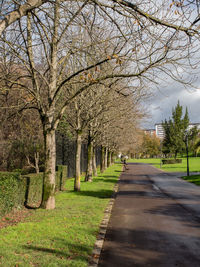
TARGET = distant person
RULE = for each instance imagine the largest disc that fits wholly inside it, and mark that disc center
(123, 160)
(125, 164)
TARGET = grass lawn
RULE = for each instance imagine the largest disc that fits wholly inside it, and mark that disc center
(194, 164)
(195, 179)
(64, 236)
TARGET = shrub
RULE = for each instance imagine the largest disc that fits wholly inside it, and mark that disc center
(18, 190)
(12, 188)
(61, 177)
(33, 194)
(171, 161)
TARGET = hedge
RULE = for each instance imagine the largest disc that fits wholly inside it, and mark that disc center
(17, 190)
(171, 161)
(61, 177)
(12, 188)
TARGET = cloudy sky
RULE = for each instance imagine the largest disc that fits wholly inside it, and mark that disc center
(160, 105)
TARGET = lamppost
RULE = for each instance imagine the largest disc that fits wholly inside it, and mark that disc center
(160, 154)
(186, 143)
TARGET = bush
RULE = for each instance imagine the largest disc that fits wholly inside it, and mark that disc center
(12, 188)
(34, 184)
(18, 190)
(171, 161)
(61, 177)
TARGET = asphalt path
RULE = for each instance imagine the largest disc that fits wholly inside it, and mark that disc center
(155, 221)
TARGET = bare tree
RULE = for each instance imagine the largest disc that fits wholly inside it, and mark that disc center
(47, 43)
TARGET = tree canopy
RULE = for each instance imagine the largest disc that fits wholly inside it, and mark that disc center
(65, 47)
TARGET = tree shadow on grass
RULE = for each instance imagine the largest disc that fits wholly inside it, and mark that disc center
(107, 179)
(103, 193)
(67, 250)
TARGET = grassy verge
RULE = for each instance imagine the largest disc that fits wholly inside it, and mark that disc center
(194, 164)
(64, 236)
(195, 179)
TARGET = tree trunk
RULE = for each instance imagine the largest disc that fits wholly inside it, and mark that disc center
(94, 164)
(63, 149)
(106, 158)
(48, 196)
(112, 157)
(77, 181)
(88, 176)
(102, 167)
(109, 158)
(37, 157)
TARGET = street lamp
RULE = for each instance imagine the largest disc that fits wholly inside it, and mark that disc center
(186, 143)
(160, 155)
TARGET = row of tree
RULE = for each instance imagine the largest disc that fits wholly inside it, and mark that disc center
(61, 53)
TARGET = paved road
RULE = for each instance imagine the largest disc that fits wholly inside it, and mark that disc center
(155, 221)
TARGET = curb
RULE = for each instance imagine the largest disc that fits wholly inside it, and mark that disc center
(94, 259)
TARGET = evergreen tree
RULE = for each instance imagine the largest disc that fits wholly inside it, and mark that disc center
(175, 128)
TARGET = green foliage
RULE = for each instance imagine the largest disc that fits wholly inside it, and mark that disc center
(171, 161)
(194, 141)
(61, 177)
(34, 183)
(64, 236)
(195, 179)
(175, 128)
(12, 188)
(150, 146)
(64, 128)
(17, 189)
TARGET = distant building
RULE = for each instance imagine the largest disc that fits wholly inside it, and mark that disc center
(192, 125)
(161, 133)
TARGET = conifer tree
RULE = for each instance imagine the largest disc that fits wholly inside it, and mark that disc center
(175, 128)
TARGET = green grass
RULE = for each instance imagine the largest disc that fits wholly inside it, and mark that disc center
(64, 236)
(194, 164)
(195, 179)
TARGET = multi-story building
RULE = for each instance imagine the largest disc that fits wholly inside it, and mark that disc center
(161, 133)
(159, 130)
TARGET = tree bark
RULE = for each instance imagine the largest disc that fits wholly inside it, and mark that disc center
(77, 181)
(102, 167)
(37, 157)
(94, 164)
(18, 13)
(48, 196)
(106, 158)
(109, 158)
(112, 157)
(88, 176)
(63, 149)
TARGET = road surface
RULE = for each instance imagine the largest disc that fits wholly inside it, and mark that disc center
(155, 221)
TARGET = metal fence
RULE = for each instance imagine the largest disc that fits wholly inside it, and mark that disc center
(66, 154)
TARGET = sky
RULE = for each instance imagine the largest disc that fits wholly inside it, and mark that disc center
(159, 106)
(165, 97)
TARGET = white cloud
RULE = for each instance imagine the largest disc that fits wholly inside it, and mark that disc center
(161, 103)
